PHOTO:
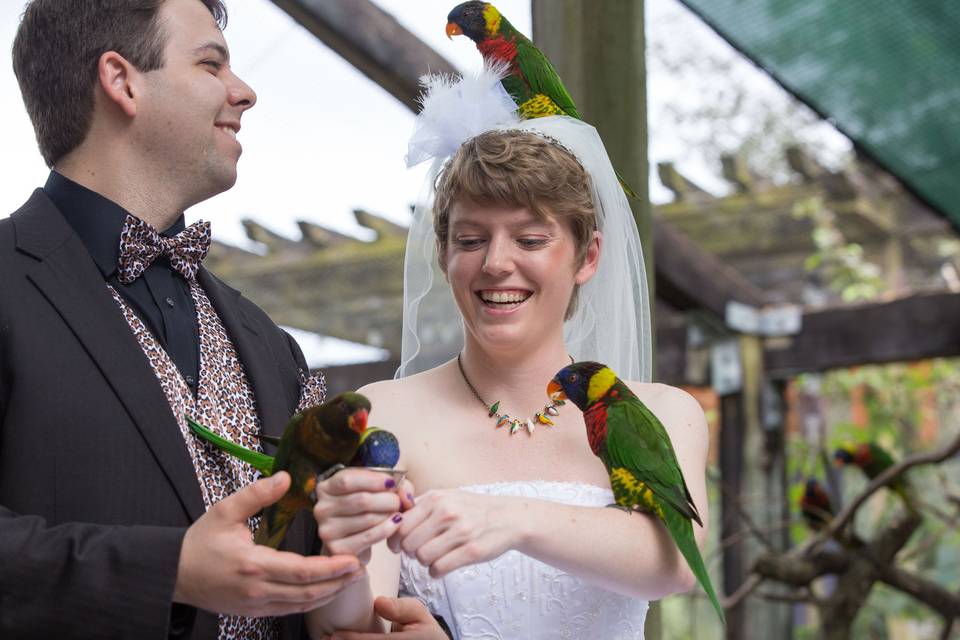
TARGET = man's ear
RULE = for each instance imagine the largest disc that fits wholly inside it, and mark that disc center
(117, 77)
(590, 260)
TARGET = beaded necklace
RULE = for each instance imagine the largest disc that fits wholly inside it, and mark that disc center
(544, 416)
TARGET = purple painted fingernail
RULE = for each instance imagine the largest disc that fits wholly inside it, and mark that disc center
(390, 483)
(397, 518)
(410, 498)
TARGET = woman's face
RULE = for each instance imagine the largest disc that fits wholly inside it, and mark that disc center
(512, 274)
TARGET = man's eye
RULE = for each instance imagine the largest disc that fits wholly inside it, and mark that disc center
(213, 64)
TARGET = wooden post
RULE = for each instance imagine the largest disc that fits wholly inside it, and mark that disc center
(598, 50)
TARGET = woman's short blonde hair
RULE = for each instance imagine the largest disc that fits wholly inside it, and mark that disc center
(518, 169)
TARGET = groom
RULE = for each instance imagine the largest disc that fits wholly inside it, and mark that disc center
(114, 523)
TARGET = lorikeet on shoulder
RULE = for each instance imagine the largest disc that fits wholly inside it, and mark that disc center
(315, 441)
(638, 455)
(533, 82)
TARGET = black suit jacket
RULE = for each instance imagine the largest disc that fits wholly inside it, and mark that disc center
(96, 485)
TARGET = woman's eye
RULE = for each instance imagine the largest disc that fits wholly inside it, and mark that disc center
(468, 243)
(532, 243)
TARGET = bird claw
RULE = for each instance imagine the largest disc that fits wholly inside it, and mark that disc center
(324, 476)
(620, 507)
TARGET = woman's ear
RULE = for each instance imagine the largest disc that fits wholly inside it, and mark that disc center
(590, 260)
(116, 77)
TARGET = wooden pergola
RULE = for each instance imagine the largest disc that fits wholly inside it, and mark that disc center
(600, 55)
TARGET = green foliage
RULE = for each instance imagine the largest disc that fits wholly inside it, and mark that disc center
(841, 264)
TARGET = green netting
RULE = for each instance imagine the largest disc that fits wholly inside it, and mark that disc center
(885, 72)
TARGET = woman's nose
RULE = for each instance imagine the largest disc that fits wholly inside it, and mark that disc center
(498, 259)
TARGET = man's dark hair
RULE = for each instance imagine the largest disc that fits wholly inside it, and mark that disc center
(58, 47)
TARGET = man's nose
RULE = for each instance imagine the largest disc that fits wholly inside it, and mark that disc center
(239, 93)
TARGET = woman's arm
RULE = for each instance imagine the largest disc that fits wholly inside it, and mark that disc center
(628, 553)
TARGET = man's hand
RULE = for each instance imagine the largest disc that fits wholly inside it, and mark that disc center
(409, 620)
(222, 570)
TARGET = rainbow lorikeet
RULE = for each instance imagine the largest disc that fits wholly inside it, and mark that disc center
(815, 505)
(318, 440)
(533, 82)
(873, 460)
(636, 450)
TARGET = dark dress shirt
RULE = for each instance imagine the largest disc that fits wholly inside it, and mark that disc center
(160, 297)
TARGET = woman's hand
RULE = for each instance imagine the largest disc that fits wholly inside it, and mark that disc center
(449, 529)
(357, 508)
(409, 620)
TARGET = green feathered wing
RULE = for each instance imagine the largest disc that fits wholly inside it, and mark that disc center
(542, 78)
(645, 474)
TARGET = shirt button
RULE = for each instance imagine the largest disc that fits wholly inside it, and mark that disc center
(190, 381)
(169, 302)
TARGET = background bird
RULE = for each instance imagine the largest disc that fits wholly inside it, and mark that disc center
(315, 441)
(532, 82)
(873, 460)
(815, 505)
(637, 453)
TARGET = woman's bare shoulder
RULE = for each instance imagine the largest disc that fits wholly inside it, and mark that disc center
(679, 411)
(407, 392)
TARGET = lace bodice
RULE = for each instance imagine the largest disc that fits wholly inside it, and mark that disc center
(517, 597)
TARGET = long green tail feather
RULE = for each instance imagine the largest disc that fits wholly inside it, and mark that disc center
(681, 530)
(259, 461)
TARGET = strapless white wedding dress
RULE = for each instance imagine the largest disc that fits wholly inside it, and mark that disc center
(515, 597)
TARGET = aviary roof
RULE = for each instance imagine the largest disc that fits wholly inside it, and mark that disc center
(886, 74)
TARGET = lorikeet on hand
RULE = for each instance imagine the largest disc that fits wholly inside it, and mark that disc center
(872, 460)
(533, 82)
(315, 441)
(636, 450)
(815, 505)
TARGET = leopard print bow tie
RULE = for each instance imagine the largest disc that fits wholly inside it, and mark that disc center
(141, 244)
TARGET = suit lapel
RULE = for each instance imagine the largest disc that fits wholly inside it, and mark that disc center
(69, 279)
(258, 362)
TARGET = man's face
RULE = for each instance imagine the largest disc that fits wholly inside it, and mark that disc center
(190, 113)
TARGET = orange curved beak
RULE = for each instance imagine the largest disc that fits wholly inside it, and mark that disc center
(453, 29)
(555, 391)
(358, 421)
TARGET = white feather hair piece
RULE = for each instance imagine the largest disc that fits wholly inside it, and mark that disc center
(456, 109)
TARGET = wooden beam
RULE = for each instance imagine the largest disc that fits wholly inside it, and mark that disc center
(690, 278)
(921, 326)
(373, 41)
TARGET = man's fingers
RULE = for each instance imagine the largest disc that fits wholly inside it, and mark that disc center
(250, 500)
(401, 610)
(289, 568)
(317, 594)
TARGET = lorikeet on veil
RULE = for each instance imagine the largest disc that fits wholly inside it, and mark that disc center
(314, 441)
(533, 82)
(636, 450)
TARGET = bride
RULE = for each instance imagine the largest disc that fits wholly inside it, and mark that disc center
(531, 248)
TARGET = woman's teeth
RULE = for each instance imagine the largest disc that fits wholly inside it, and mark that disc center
(504, 299)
